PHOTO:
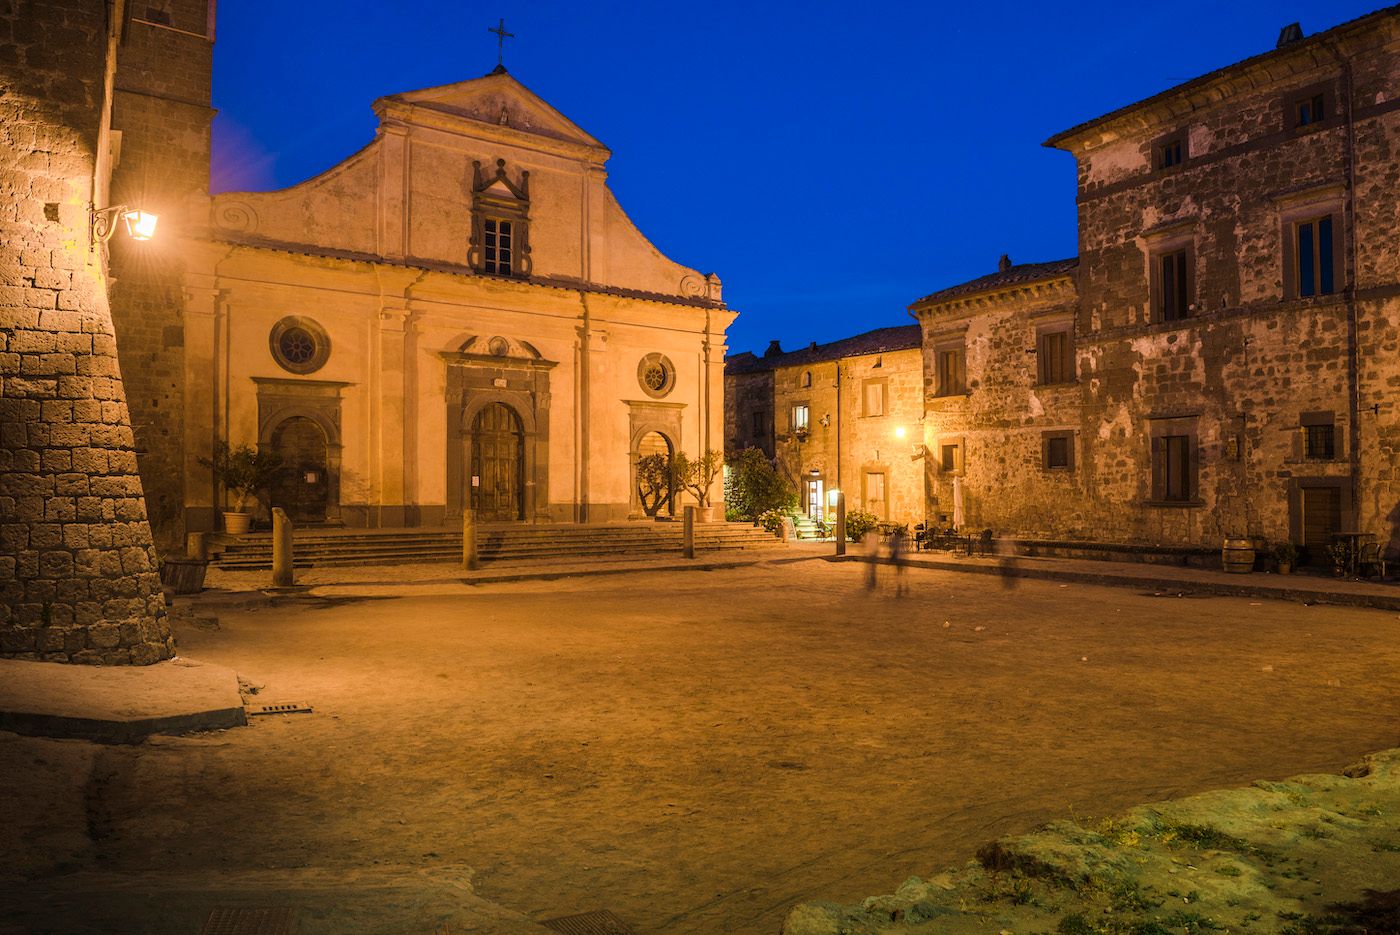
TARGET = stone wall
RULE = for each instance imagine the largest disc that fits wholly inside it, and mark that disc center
(77, 565)
(1001, 422)
(161, 108)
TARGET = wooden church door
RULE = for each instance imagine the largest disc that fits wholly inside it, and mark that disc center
(498, 465)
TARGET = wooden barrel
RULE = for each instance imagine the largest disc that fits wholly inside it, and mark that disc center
(183, 575)
(1237, 556)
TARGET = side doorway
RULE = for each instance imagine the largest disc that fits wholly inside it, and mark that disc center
(304, 483)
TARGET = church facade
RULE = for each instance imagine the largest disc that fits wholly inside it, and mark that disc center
(459, 315)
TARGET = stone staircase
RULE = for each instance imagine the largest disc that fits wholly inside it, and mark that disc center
(805, 526)
(314, 548)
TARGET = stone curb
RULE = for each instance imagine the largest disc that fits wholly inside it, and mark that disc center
(117, 731)
(1220, 589)
(118, 704)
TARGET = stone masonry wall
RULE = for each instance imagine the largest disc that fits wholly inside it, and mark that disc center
(1003, 418)
(161, 106)
(1252, 359)
(77, 566)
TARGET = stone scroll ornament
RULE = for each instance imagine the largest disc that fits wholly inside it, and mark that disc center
(235, 216)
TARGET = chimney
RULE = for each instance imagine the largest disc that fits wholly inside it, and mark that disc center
(1290, 34)
(773, 348)
(1004, 263)
(812, 346)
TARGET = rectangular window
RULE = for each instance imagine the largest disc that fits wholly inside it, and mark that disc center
(1057, 451)
(874, 397)
(800, 419)
(498, 246)
(1316, 269)
(950, 459)
(1172, 476)
(1173, 286)
(1320, 442)
(952, 371)
(1171, 151)
(1054, 357)
(875, 493)
(1309, 110)
(760, 421)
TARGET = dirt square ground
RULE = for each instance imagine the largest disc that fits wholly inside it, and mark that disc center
(699, 751)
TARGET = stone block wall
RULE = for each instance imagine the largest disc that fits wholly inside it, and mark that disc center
(162, 110)
(77, 566)
(1001, 421)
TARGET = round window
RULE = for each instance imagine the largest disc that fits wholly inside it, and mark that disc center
(299, 344)
(656, 375)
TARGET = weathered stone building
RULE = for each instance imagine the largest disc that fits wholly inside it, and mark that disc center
(77, 566)
(1222, 360)
(840, 416)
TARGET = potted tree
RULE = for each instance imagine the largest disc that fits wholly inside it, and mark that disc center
(1285, 557)
(244, 471)
(654, 473)
(698, 476)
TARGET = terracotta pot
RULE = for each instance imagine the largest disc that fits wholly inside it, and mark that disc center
(237, 522)
(1285, 568)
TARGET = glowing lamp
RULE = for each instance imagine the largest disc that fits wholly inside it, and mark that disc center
(831, 496)
(140, 225)
(899, 431)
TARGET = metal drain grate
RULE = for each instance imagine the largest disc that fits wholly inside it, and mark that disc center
(262, 921)
(291, 707)
(598, 922)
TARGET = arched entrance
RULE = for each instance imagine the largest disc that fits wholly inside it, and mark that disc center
(652, 443)
(304, 483)
(498, 465)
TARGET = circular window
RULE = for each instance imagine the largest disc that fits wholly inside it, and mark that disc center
(299, 344)
(656, 375)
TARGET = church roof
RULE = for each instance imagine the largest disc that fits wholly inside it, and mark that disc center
(879, 341)
(1011, 276)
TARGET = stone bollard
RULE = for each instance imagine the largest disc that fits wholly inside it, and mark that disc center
(468, 540)
(840, 523)
(688, 533)
(197, 546)
(281, 548)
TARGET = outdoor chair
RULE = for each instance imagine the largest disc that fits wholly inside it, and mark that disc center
(1370, 560)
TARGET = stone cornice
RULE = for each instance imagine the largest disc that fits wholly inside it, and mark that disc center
(1059, 288)
(1261, 72)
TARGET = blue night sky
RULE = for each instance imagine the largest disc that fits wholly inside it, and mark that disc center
(832, 162)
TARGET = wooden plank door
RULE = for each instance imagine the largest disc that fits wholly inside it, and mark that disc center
(497, 465)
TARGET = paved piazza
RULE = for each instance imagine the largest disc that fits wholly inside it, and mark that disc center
(698, 751)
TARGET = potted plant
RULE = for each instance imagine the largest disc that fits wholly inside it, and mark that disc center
(244, 471)
(698, 476)
(1340, 555)
(1285, 556)
(654, 478)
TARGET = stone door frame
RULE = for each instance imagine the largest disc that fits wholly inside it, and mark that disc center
(282, 400)
(474, 381)
(643, 418)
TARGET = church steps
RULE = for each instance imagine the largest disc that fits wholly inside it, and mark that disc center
(524, 544)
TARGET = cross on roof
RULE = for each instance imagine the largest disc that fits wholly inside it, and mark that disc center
(501, 37)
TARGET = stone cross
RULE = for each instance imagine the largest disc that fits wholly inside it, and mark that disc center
(501, 37)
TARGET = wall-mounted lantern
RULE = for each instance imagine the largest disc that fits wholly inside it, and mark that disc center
(140, 225)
